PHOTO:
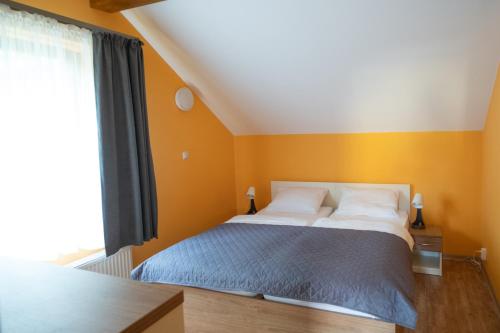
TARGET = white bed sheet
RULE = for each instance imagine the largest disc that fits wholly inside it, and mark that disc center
(282, 218)
(401, 219)
(235, 292)
(323, 211)
(393, 227)
(320, 306)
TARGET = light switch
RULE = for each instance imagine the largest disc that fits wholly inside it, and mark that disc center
(185, 155)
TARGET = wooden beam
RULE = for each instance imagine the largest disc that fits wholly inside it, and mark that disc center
(112, 6)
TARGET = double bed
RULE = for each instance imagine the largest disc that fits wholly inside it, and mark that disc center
(351, 254)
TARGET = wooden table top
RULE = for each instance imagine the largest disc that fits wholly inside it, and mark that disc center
(41, 297)
(429, 231)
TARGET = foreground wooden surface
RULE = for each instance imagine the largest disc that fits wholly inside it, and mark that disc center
(41, 297)
(457, 302)
(207, 312)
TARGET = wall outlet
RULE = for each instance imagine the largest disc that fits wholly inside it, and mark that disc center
(484, 252)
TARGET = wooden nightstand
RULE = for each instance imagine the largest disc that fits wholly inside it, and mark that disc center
(428, 250)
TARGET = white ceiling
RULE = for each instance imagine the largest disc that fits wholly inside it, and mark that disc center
(332, 66)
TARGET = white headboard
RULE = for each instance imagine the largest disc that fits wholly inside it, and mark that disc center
(335, 190)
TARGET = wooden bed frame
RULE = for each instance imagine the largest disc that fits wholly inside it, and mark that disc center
(216, 312)
(211, 311)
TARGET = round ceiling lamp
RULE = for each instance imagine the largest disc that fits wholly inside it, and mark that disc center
(184, 99)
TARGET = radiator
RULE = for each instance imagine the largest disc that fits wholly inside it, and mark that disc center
(119, 264)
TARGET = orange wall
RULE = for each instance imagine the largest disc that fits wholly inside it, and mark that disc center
(491, 189)
(443, 166)
(199, 193)
(193, 195)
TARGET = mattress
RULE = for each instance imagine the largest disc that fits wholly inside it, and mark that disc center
(324, 211)
(401, 219)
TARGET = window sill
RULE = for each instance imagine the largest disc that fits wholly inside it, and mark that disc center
(80, 258)
(85, 260)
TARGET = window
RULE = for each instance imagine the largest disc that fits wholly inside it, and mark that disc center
(50, 194)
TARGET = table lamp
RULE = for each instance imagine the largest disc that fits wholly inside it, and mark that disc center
(418, 203)
(251, 196)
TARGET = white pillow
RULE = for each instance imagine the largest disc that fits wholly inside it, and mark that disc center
(305, 200)
(373, 202)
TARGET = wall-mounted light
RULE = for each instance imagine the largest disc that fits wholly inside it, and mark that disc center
(184, 99)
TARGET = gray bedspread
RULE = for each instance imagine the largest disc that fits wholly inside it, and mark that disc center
(368, 271)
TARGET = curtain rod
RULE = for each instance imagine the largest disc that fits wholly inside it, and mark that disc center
(63, 19)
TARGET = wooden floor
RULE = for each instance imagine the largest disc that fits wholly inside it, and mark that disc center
(458, 302)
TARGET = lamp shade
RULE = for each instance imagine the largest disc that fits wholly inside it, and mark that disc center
(251, 192)
(418, 201)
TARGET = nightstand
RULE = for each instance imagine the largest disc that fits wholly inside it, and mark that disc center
(428, 250)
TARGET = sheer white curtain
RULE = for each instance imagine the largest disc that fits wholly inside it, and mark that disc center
(50, 195)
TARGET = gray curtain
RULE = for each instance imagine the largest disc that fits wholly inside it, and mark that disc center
(127, 175)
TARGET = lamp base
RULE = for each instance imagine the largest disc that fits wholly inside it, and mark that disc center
(252, 209)
(419, 222)
(416, 225)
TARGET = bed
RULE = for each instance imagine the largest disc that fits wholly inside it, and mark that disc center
(354, 265)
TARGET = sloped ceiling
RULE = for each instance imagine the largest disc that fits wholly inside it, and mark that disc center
(332, 66)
